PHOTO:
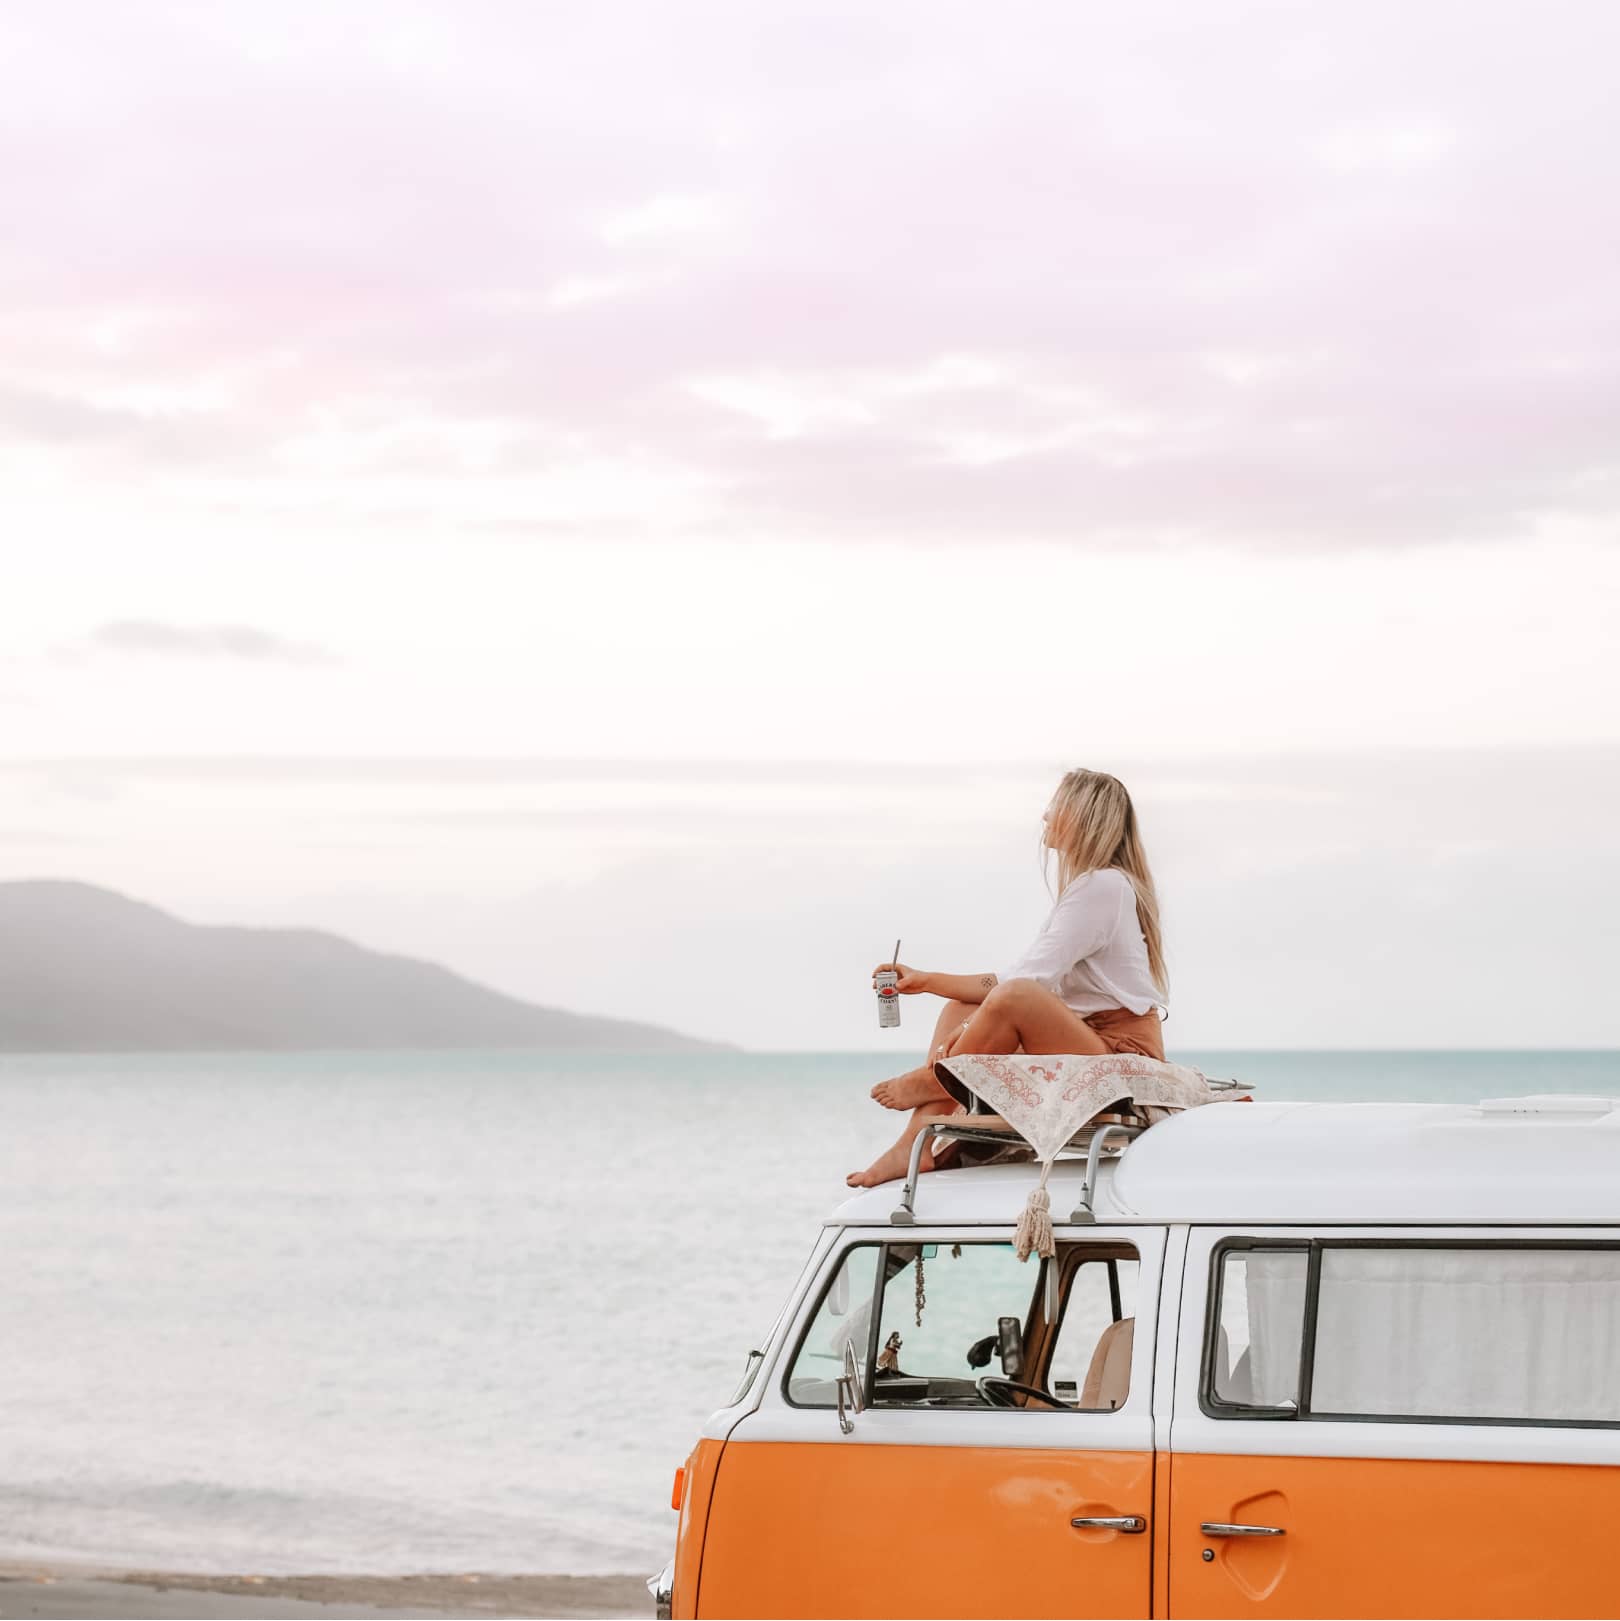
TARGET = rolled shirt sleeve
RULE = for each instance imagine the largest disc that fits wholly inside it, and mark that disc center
(1082, 922)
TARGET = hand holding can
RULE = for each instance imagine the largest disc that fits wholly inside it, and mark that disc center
(884, 982)
(888, 997)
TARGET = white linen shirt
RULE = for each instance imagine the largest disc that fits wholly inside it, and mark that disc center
(1091, 952)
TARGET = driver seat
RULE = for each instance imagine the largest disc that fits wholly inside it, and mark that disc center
(1108, 1379)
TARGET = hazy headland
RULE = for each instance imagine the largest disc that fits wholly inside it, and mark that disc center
(83, 969)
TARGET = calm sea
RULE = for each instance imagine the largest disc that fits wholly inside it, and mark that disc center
(424, 1312)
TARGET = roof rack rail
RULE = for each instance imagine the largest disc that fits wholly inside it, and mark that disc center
(1094, 1140)
(977, 1127)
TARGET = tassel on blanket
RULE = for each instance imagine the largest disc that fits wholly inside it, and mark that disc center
(1035, 1224)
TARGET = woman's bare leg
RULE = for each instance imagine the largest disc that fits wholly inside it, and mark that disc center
(1017, 1014)
(919, 1086)
(1021, 1013)
(892, 1163)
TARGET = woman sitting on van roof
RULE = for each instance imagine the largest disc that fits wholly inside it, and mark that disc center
(1092, 982)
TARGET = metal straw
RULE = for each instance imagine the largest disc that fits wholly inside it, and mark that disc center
(894, 961)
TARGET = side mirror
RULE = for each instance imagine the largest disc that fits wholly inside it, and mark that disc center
(851, 1398)
(1010, 1332)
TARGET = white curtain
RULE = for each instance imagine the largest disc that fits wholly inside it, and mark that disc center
(1276, 1313)
(1468, 1333)
(1262, 1310)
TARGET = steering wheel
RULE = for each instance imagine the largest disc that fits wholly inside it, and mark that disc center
(994, 1391)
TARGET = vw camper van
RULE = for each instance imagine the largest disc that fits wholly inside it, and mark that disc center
(1288, 1359)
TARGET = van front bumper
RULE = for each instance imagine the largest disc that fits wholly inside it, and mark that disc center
(662, 1588)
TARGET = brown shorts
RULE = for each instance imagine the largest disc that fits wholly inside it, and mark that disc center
(1125, 1032)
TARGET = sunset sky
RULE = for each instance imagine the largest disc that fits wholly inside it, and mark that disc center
(640, 503)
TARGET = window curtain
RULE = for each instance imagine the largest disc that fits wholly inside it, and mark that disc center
(1276, 1302)
(1468, 1333)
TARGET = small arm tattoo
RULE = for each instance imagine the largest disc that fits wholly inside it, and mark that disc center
(987, 982)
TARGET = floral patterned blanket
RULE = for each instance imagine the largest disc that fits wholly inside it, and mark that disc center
(1047, 1098)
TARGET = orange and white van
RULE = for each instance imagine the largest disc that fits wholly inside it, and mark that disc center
(1289, 1359)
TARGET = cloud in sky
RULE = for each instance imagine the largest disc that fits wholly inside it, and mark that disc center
(203, 641)
(518, 647)
(1258, 276)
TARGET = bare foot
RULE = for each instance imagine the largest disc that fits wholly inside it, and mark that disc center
(916, 1086)
(887, 1167)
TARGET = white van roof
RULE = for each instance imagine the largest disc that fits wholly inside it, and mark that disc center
(1509, 1161)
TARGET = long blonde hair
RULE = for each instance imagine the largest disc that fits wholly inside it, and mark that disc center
(1092, 824)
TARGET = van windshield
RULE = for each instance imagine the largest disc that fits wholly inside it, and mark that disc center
(969, 1325)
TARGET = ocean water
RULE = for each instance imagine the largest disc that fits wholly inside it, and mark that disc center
(407, 1312)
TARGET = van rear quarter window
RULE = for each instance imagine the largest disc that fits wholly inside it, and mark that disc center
(1415, 1331)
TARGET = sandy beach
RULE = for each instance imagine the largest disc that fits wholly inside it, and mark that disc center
(66, 1591)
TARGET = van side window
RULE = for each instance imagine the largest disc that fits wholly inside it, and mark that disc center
(1466, 1333)
(1259, 1324)
(933, 1322)
(968, 1325)
(1485, 1332)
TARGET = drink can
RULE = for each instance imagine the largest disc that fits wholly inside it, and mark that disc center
(885, 980)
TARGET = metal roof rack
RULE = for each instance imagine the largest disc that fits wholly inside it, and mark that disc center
(1093, 1140)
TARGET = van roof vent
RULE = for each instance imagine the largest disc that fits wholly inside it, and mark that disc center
(1567, 1104)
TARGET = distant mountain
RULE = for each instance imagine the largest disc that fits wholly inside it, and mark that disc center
(84, 969)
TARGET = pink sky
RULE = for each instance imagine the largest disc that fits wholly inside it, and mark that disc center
(1272, 275)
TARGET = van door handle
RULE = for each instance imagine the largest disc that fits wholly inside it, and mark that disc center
(1129, 1523)
(1221, 1528)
